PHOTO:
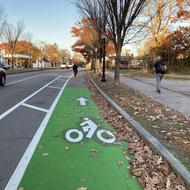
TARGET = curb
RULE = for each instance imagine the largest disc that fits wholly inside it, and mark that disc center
(156, 145)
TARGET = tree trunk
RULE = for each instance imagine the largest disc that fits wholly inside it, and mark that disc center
(97, 62)
(12, 61)
(94, 64)
(117, 64)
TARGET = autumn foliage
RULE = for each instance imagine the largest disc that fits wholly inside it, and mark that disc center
(183, 10)
(23, 47)
(88, 39)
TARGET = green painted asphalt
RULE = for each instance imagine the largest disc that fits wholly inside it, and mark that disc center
(87, 165)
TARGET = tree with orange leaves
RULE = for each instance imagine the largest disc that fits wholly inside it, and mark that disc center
(183, 12)
(28, 48)
(52, 54)
(88, 43)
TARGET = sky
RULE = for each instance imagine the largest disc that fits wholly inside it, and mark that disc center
(47, 20)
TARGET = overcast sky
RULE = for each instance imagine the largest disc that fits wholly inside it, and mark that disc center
(48, 20)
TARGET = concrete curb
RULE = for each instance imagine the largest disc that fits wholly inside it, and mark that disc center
(157, 146)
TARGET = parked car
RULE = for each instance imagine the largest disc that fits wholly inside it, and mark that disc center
(64, 66)
(2, 77)
(4, 66)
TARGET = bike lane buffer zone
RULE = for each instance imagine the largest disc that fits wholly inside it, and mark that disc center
(78, 150)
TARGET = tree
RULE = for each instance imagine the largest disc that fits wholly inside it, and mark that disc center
(77, 57)
(28, 38)
(175, 48)
(65, 55)
(41, 45)
(52, 54)
(159, 12)
(11, 34)
(87, 43)
(28, 48)
(119, 16)
(183, 12)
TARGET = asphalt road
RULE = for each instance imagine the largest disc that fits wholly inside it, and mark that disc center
(24, 102)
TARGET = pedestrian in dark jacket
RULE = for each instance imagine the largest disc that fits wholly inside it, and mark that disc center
(160, 69)
(75, 69)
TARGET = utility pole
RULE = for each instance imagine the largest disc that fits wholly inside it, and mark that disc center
(104, 44)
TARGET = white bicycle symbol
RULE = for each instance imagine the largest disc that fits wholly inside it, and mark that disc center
(90, 127)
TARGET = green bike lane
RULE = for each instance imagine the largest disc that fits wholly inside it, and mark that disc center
(78, 150)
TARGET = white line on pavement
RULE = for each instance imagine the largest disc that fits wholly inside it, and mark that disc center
(62, 80)
(21, 80)
(27, 98)
(34, 107)
(54, 87)
(19, 171)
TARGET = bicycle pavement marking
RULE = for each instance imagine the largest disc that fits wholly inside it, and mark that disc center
(89, 163)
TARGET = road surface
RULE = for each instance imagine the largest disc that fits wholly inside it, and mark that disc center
(24, 102)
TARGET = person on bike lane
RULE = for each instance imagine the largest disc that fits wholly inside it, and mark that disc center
(75, 69)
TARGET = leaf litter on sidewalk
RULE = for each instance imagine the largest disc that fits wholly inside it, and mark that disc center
(152, 171)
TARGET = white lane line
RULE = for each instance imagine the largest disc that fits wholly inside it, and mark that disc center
(24, 100)
(54, 87)
(21, 80)
(21, 168)
(34, 107)
(62, 80)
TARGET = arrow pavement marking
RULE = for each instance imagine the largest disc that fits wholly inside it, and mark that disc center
(82, 101)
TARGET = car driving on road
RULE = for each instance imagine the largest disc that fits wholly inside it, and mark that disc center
(2, 77)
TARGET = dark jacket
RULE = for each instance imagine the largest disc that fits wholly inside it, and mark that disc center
(158, 66)
(75, 67)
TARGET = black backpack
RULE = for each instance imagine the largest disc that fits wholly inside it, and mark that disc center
(161, 68)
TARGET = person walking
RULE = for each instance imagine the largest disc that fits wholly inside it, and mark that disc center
(75, 69)
(160, 69)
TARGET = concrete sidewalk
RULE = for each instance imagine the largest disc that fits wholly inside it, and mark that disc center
(175, 93)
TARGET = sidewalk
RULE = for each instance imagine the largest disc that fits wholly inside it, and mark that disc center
(175, 93)
(78, 150)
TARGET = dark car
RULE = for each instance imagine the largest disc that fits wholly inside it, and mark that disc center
(2, 77)
(4, 66)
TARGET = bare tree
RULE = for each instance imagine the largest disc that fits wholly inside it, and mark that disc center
(92, 10)
(42, 47)
(160, 13)
(28, 38)
(119, 16)
(65, 55)
(10, 35)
